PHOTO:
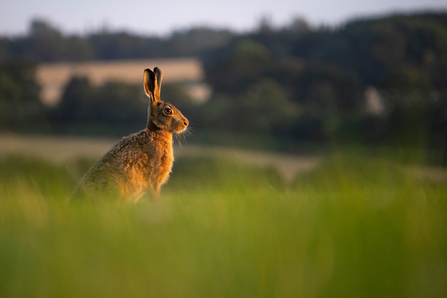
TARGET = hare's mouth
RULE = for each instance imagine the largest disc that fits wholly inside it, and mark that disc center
(181, 135)
(181, 129)
(181, 126)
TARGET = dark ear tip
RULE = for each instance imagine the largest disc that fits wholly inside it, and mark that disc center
(157, 70)
(148, 70)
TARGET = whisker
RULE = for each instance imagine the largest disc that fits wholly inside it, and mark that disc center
(182, 136)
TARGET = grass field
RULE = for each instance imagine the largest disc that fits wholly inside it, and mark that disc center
(356, 225)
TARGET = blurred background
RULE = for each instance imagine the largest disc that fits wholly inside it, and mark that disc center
(314, 166)
(370, 73)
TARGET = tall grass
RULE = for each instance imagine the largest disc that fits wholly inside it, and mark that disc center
(355, 227)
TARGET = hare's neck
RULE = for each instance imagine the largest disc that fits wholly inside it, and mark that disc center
(161, 136)
(151, 126)
(165, 135)
(164, 141)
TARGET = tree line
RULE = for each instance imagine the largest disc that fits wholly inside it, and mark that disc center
(318, 79)
(379, 80)
(45, 43)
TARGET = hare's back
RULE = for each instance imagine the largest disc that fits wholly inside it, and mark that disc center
(126, 154)
(135, 149)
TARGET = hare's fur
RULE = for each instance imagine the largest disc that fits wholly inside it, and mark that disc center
(142, 161)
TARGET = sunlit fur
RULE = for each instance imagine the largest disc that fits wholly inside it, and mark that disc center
(140, 162)
(176, 123)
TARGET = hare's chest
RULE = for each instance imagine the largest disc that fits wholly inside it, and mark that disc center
(164, 165)
(156, 160)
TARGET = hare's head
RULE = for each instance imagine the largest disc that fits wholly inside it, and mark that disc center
(162, 115)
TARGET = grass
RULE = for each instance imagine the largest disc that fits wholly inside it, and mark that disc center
(358, 226)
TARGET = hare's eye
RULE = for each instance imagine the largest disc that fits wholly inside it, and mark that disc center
(167, 111)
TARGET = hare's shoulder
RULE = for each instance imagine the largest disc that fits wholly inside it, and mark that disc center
(131, 144)
(127, 154)
(128, 148)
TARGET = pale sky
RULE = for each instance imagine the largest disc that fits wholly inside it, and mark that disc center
(163, 16)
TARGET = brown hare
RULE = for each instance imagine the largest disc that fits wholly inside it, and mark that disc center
(142, 161)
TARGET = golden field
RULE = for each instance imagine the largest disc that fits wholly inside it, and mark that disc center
(54, 76)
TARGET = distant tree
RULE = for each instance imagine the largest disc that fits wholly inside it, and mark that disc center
(42, 29)
(122, 45)
(267, 109)
(4, 49)
(321, 72)
(116, 103)
(328, 70)
(265, 25)
(113, 104)
(78, 49)
(46, 42)
(76, 102)
(262, 109)
(19, 96)
(299, 25)
(240, 65)
(197, 40)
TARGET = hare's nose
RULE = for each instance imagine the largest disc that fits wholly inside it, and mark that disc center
(186, 122)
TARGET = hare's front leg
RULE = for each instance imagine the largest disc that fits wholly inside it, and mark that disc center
(154, 190)
(159, 178)
(136, 198)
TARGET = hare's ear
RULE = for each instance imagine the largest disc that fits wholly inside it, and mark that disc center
(158, 78)
(150, 85)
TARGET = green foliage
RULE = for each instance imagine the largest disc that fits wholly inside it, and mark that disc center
(196, 40)
(19, 95)
(328, 71)
(231, 70)
(41, 177)
(110, 104)
(176, 94)
(296, 82)
(357, 226)
(45, 43)
(111, 109)
(262, 109)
